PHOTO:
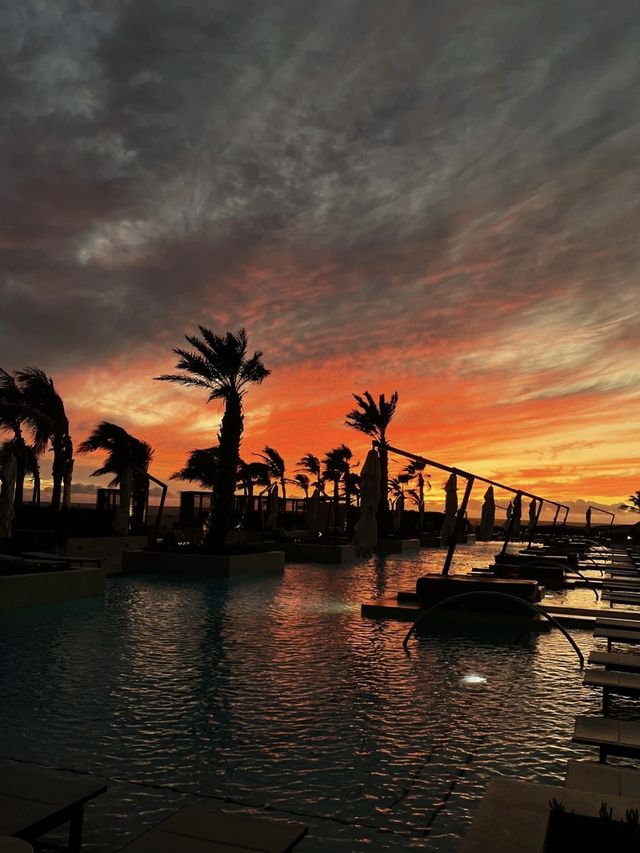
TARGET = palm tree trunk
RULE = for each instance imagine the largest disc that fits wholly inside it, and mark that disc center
(229, 443)
(35, 496)
(19, 451)
(68, 471)
(336, 501)
(383, 506)
(57, 474)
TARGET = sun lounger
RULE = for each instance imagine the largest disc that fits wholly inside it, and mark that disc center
(622, 598)
(603, 779)
(612, 737)
(615, 622)
(33, 802)
(620, 635)
(615, 660)
(611, 681)
(194, 830)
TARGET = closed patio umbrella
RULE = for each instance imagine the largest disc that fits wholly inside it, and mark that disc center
(313, 514)
(516, 515)
(450, 508)
(533, 511)
(271, 520)
(365, 534)
(398, 510)
(588, 518)
(488, 517)
(8, 476)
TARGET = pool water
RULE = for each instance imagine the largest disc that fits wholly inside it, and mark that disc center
(276, 695)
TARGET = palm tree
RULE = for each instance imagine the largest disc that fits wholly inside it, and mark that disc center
(252, 474)
(220, 366)
(201, 468)
(351, 482)
(276, 467)
(10, 421)
(128, 460)
(43, 412)
(336, 466)
(310, 464)
(373, 419)
(632, 504)
(303, 482)
(414, 469)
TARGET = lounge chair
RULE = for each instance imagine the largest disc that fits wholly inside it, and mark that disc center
(194, 830)
(33, 802)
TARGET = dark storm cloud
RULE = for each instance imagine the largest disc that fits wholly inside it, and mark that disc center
(289, 165)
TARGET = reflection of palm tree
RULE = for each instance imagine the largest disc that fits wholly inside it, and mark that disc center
(310, 464)
(275, 466)
(128, 460)
(220, 365)
(43, 412)
(336, 466)
(373, 419)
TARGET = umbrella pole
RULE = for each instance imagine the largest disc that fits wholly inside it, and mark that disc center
(453, 539)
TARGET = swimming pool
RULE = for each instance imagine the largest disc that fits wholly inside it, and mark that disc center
(277, 695)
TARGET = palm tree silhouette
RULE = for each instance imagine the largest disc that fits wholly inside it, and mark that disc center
(373, 419)
(310, 464)
(632, 504)
(415, 469)
(201, 467)
(276, 466)
(303, 482)
(11, 403)
(336, 466)
(128, 460)
(43, 413)
(220, 366)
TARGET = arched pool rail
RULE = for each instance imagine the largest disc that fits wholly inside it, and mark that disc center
(506, 595)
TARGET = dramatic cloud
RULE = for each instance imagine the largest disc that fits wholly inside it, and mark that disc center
(439, 197)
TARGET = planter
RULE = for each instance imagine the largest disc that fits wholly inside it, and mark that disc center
(50, 587)
(588, 834)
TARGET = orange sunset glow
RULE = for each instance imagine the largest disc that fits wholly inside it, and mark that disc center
(445, 223)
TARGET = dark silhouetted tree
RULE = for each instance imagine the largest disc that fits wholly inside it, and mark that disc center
(310, 464)
(44, 414)
(128, 459)
(373, 419)
(276, 467)
(220, 366)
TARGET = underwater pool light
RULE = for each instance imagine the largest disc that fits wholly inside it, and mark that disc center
(473, 679)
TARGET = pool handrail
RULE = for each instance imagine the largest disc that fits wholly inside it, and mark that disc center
(470, 478)
(507, 595)
(567, 568)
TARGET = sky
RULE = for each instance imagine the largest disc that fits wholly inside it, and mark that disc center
(438, 197)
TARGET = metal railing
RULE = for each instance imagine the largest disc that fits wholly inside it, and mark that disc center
(534, 607)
